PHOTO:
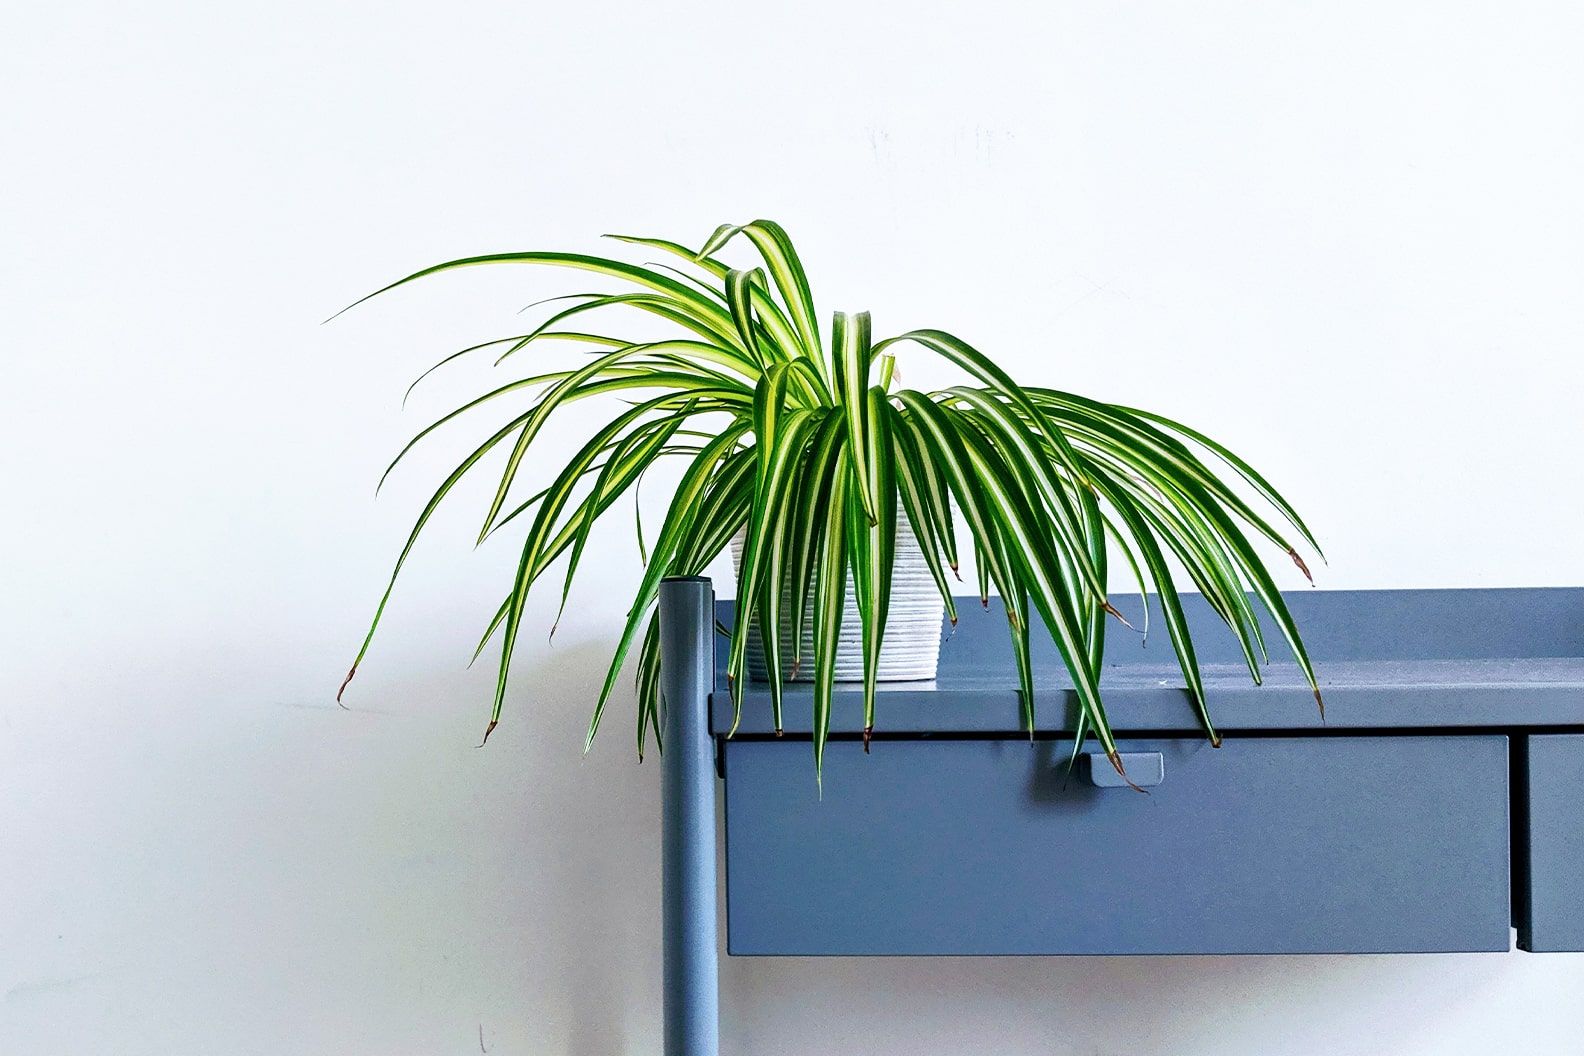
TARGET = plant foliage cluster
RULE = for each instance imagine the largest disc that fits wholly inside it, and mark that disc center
(801, 438)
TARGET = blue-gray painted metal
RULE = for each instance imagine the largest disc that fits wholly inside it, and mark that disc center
(1266, 845)
(1392, 832)
(689, 925)
(1549, 844)
(1388, 658)
(1144, 770)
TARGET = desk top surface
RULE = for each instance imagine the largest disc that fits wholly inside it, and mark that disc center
(1385, 659)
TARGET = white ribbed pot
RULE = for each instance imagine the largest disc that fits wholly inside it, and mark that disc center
(911, 650)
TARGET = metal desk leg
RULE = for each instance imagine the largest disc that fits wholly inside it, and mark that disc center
(687, 798)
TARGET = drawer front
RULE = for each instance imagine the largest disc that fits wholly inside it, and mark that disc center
(1550, 844)
(1266, 845)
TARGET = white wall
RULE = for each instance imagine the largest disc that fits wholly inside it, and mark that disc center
(1347, 236)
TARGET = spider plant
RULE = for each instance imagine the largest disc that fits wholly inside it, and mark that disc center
(803, 439)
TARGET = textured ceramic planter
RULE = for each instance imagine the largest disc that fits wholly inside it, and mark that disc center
(913, 628)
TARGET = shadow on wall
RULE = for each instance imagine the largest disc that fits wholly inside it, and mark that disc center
(592, 824)
(537, 905)
(1099, 1006)
(610, 872)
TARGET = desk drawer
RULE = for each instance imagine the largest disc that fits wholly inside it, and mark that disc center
(1550, 844)
(1267, 845)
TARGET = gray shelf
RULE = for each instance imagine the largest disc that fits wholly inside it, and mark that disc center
(1492, 658)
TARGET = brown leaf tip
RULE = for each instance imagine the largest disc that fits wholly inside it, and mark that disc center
(344, 683)
(1111, 610)
(1116, 762)
(1299, 561)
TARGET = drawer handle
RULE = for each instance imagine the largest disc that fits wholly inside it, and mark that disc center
(1144, 769)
